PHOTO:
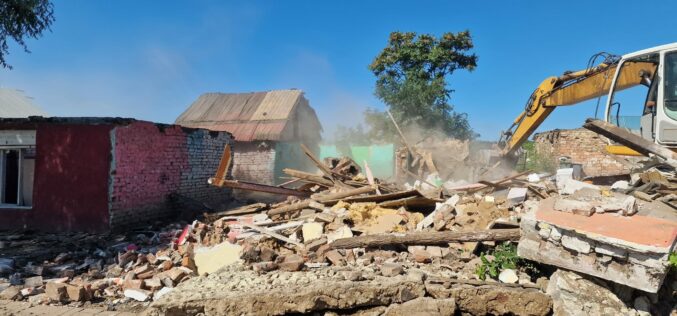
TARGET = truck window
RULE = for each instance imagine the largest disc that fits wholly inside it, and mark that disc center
(670, 87)
(632, 92)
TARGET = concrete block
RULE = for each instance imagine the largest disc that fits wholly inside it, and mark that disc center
(574, 207)
(626, 272)
(576, 244)
(555, 234)
(312, 231)
(610, 250)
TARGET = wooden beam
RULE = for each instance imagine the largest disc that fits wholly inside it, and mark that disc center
(425, 238)
(249, 186)
(224, 164)
(399, 131)
(309, 177)
(324, 197)
(246, 209)
(327, 172)
(629, 139)
(290, 208)
(271, 233)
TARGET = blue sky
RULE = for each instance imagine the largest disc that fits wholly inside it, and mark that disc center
(151, 59)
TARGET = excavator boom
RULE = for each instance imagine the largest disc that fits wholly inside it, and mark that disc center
(569, 89)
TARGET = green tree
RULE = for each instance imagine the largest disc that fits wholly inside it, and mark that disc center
(411, 79)
(20, 20)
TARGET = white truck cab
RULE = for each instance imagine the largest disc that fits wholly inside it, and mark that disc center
(657, 119)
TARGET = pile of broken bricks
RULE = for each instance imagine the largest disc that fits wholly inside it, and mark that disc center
(359, 229)
(367, 236)
(109, 273)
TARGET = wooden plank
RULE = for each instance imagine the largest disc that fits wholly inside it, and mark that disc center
(249, 186)
(383, 197)
(370, 177)
(399, 131)
(631, 140)
(479, 282)
(425, 238)
(309, 177)
(415, 202)
(224, 164)
(290, 208)
(272, 234)
(242, 210)
(327, 172)
(323, 197)
(281, 185)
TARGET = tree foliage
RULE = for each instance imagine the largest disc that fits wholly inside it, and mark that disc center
(411, 79)
(20, 20)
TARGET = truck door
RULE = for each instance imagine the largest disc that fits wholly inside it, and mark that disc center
(666, 111)
(633, 87)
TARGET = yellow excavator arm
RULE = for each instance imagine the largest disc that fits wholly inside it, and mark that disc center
(569, 89)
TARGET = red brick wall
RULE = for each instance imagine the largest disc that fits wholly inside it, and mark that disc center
(583, 147)
(114, 173)
(146, 169)
(151, 162)
(70, 188)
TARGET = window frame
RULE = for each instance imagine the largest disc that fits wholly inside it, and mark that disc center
(20, 200)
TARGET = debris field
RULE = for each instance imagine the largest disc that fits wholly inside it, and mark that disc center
(346, 243)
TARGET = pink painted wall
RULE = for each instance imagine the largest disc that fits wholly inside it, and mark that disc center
(147, 167)
(151, 162)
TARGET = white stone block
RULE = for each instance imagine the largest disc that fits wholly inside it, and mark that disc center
(576, 244)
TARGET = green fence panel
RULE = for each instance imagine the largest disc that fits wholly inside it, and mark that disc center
(381, 158)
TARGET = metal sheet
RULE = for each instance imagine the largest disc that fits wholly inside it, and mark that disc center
(15, 104)
(248, 116)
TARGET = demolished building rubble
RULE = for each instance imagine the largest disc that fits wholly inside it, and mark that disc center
(347, 243)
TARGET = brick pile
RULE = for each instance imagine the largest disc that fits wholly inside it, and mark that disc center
(583, 147)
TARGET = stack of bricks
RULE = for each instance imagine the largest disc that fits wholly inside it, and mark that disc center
(254, 162)
(583, 147)
(151, 162)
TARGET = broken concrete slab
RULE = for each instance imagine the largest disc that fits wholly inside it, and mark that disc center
(312, 231)
(574, 206)
(493, 300)
(210, 259)
(628, 250)
(137, 294)
(423, 306)
(516, 196)
(342, 232)
(391, 269)
(575, 295)
(317, 295)
(449, 204)
(569, 186)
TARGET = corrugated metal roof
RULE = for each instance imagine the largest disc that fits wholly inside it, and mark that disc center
(15, 104)
(276, 105)
(248, 116)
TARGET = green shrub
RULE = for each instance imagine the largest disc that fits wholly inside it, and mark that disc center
(505, 257)
(531, 159)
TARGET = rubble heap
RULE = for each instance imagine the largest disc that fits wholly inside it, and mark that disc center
(348, 243)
